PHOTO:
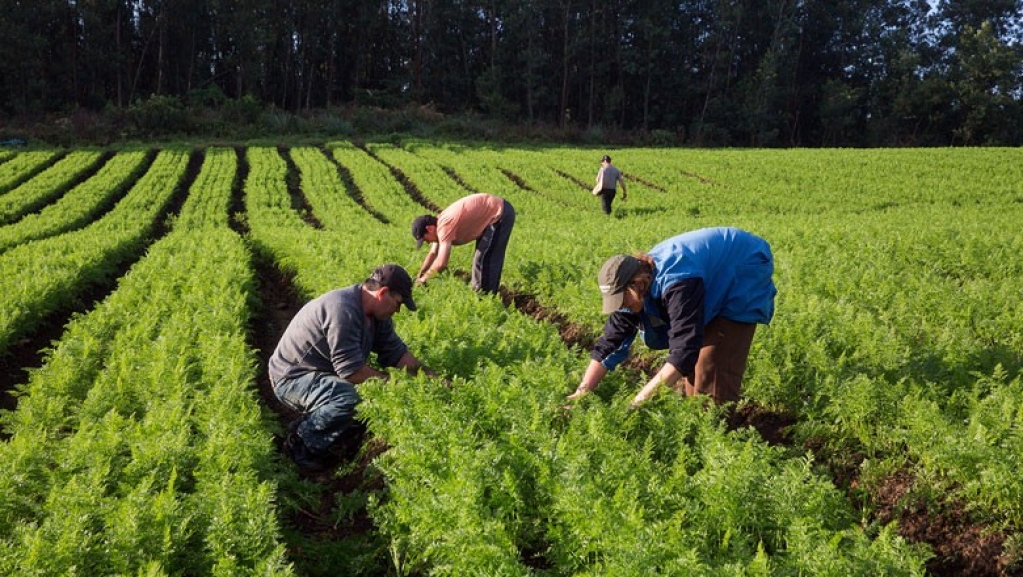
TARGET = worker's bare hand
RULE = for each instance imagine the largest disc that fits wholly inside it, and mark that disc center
(579, 393)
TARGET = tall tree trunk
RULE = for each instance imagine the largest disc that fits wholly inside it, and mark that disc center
(71, 41)
(191, 62)
(564, 113)
(530, 115)
(119, 67)
(593, 64)
(417, 49)
(138, 68)
(619, 70)
(647, 84)
(160, 46)
(238, 82)
(331, 57)
(492, 21)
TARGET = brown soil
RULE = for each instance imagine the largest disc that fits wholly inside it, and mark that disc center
(573, 334)
(518, 180)
(644, 182)
(772, 425)
(280, 301)
(298, 199)
(353, 189)
(571, 178)
(453, 175)
(29, 352)
(360, 476)
(406, 182)
(698, 177)
(962, 547)
(23, 356)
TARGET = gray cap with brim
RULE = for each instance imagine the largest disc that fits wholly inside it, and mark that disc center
(613, 278)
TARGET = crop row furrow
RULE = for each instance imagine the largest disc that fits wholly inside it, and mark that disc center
(22, 166)
(376, 183)
(896, 349)
(319, 258)
(78, 205)
(429, 180)
(139, 447)
(43, 276)
(46, 186)
(207, 205)
(324, 190)
(491, 476)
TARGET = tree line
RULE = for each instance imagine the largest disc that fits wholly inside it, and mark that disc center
(704, 72)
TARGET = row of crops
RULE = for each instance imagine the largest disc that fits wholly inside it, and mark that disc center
(143, 445)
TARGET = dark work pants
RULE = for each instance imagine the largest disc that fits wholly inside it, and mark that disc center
(326, 403)
(607, 195)
(488, 262)
(722, 360)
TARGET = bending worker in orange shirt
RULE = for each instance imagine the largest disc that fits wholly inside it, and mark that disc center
(483, 218)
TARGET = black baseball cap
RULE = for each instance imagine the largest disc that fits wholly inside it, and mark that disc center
(614, 276)
(419, 227)
(397, 279)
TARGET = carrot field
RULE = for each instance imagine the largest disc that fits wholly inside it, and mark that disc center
(143, 289)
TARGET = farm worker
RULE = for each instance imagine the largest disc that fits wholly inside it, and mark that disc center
(608, 177)
(324, 354)
(699, 295)
(483, 218)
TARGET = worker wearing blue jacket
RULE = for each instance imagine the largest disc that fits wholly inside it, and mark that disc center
(700, 295)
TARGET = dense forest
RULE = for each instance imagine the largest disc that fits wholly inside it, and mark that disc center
(697, 72)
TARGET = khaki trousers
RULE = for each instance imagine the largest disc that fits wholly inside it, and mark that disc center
(722, 360)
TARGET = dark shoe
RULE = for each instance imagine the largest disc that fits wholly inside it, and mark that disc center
(303, 456)
(350, 442)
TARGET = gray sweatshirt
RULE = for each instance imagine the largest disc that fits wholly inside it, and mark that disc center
(332, 334)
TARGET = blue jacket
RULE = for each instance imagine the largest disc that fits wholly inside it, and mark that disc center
(736, 268)
(698, 276)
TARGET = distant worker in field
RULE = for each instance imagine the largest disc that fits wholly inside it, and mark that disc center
(483, 218)
(324, 353)
(608, 178)
(699, 295)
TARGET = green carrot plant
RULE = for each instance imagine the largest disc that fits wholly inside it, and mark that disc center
(45, 186)
(18, 167)
(895, 346)
(79, 205)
